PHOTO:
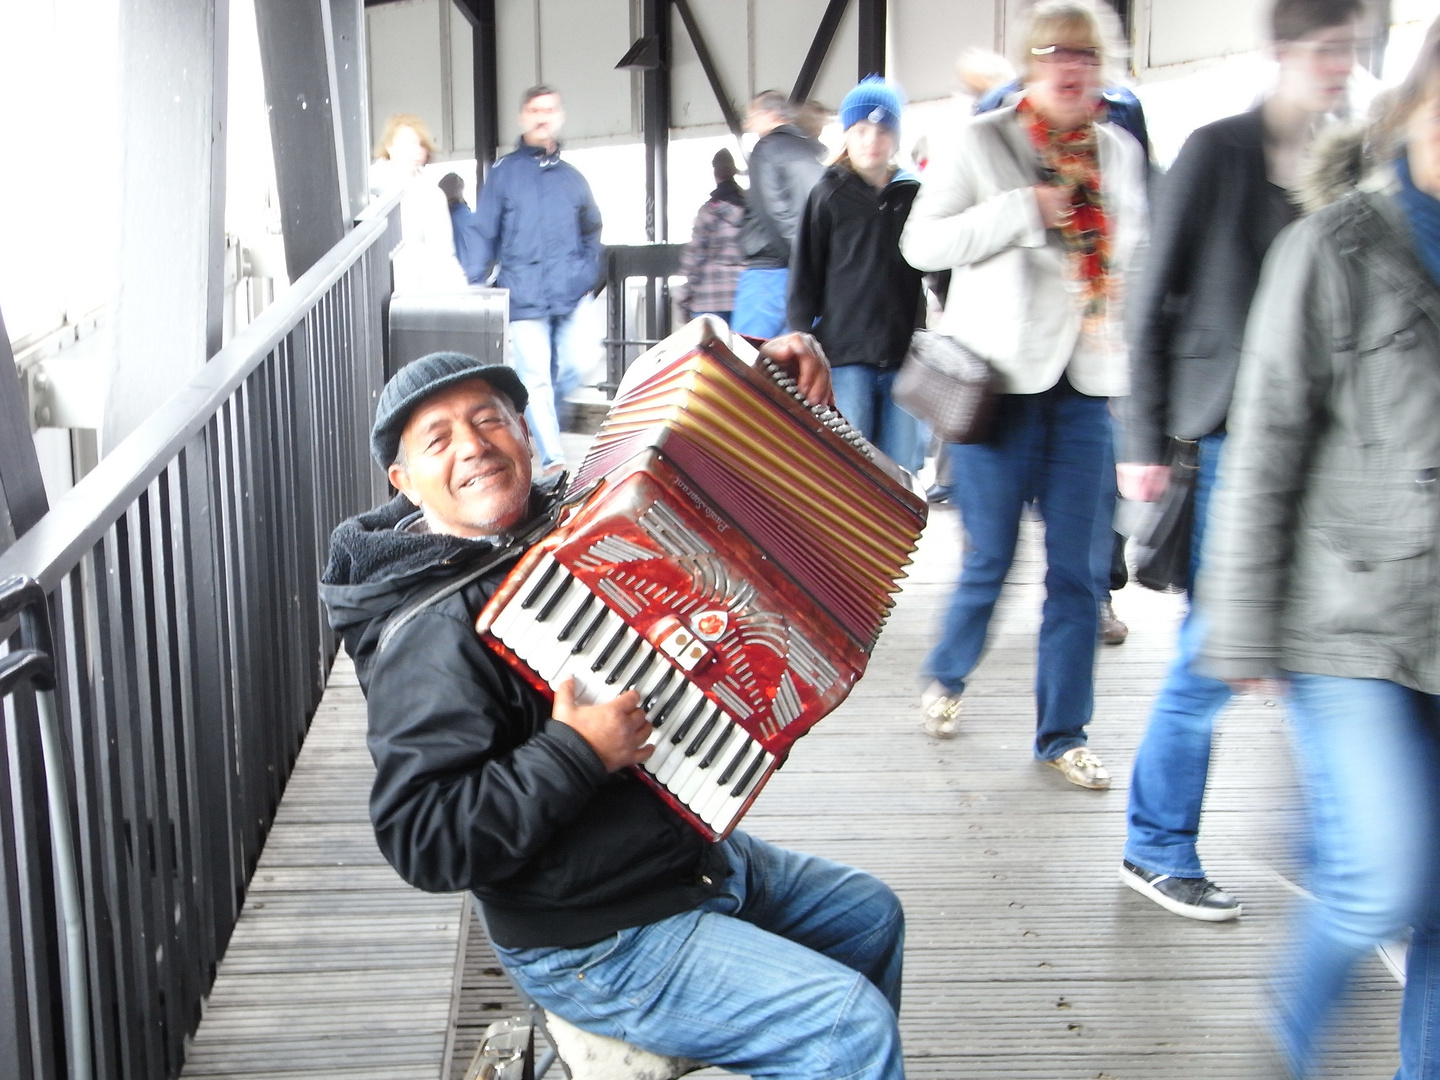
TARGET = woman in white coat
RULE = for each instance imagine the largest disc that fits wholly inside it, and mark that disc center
(1037, 209)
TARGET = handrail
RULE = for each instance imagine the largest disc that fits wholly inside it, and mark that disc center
(81, 515)
(190, 651)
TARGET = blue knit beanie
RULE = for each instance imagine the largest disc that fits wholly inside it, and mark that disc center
(424, 378)
(875, 100)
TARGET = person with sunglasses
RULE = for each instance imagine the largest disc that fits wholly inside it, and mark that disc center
(1037, 209)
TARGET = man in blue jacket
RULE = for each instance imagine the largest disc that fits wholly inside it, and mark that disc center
(537, 219)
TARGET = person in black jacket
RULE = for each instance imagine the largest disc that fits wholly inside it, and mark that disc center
(784, 166)
(848, 280)
(773, 963)
(1229, 194)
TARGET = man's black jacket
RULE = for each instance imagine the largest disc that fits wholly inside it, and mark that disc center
(784, 166)
(1216, 215)
(476, 787)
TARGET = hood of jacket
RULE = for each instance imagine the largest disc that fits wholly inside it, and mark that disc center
(378, 561)
(1341, 159)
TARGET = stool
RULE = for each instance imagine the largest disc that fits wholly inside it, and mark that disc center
(584, 1055)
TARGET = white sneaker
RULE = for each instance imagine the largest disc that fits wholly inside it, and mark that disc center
(940, 712)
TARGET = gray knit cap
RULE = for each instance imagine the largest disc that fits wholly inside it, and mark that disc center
(423, 378)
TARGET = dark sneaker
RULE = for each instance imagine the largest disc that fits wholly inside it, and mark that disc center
(1112, 630)
(1193, 897)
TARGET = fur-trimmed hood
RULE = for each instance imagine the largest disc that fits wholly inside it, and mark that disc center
(1343, 158)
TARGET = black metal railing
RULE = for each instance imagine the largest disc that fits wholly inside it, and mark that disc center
(634, 323)
(190, 652)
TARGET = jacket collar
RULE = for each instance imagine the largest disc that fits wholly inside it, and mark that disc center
(538, 152)
(1377, 217)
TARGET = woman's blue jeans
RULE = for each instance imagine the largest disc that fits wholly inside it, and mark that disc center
(1369, 757)
(1054, 450)
(862, 394)
(792, 970)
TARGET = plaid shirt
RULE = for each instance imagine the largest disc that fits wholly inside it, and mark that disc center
(712, 260)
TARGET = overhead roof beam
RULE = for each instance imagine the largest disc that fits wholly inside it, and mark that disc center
(707, 64)
(872, 38)
(297, 54)
(481, 16)
(655, 85)
(819, 49)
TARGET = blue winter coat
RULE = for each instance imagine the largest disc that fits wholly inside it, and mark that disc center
(472, 252)
(537, 219)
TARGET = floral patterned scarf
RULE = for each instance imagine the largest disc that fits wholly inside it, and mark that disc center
(1074, 160)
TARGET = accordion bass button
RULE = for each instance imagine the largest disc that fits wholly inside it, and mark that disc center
(677, 641)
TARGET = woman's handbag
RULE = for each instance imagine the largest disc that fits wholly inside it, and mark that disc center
(947, 387)
(1163, 545)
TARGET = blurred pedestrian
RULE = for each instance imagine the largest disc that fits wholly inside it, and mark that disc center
(1123, 109)
(425, 259)
(538, 220)
(713, 260)
(469, 248)
(981, 71)
(848, 281)
(1038, 208)
(1230, 192)
(1321, 564)
(784, 166)
(813, 117)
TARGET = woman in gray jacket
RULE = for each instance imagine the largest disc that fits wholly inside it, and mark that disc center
(1323, 564)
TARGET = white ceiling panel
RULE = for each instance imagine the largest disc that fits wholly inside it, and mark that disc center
(404, 57)
(926, 38)
(1182, 31)
(725, 26)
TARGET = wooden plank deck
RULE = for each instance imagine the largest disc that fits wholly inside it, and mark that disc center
(1025, 960)
(1025, 957)
(337, 969)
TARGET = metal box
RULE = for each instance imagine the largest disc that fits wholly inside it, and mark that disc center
(473, 321)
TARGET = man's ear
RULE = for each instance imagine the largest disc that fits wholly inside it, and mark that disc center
(400, 481)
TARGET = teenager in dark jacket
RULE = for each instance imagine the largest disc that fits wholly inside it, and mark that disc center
(763, 961)
(848, 280)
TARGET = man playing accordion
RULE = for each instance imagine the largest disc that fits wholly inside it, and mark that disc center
(601, 902)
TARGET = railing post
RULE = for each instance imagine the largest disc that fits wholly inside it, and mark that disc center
(16, 1050)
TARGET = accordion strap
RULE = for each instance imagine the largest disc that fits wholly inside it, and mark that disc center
(509, 549)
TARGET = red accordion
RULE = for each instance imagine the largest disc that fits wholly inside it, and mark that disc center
(733, 559)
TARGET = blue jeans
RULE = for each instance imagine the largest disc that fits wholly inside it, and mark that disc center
(1053, 449)
(1167, 782)
(862, 394)
(792, 970)
(760, 302)
(544, 354)
(1369, 759)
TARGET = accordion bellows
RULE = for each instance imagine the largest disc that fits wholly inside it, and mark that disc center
(736, 553)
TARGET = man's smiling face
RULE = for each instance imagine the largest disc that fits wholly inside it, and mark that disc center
(465, 461)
